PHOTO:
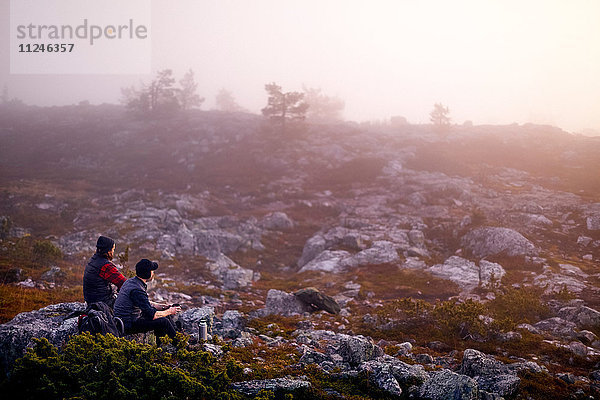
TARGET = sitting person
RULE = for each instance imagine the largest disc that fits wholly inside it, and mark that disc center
(135, 309)
(101, 274)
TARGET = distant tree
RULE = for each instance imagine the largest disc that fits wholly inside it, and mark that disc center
(439, 117)
(282, 107)
(322, 107)
(226, 102)
(157, 98)
(187, 96)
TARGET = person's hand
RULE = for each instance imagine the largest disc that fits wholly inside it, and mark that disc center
(174, 310)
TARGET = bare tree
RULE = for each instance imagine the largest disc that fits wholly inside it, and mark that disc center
(322, 107)
(186, 94)
(282, 107)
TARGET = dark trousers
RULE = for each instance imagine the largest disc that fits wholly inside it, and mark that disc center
(161, 326)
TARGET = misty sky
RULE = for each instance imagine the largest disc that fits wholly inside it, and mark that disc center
(490, 61)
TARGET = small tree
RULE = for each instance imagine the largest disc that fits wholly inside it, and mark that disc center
(439, 117)
(284, 106)
(159, 97)
(187, 96)
(322, 107)
(226, 102)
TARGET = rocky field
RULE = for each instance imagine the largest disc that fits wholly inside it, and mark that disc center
(463, 265)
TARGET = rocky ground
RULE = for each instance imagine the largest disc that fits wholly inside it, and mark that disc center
(240, 217)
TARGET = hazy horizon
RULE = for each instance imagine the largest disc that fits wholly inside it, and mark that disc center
(489, 62)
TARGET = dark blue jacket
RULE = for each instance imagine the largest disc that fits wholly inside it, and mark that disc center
(132, 302)
(95, 288)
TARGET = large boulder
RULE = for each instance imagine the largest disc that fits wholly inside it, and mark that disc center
(357, 349)
(483, 242)
(491, 375)
(466, 274)
(557, 328)
(56, 323)
(190, 318)
(332, 261)
(593, 223)
(279, 302)
(582, 316)
(380, 252)
(447, 385)
(381, 375)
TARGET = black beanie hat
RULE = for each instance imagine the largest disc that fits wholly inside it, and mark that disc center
(105, 244)
(144, 267)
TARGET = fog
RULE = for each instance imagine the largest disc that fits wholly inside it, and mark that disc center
(494, 62)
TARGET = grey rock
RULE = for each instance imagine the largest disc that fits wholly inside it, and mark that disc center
(357, 349)
(213, 349)
(483, 242)
(277, 385)
(332, 261)
(232, 323)
(380, 252)
(586, 337)
(191, 317)
(381, 375)
(314, 246)
(578, 349)
(281, 303)
(276, 221)
(491, 375)
(569, 277)
(584, 241)
(593, 223)
(185, 240)
(448, 385)
(582, 316)
(50, 322)
(466, 274)
(53, 274)
(416, 238)
(557, 328)
(231, 275)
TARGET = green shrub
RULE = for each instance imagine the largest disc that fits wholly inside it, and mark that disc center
(516, 306)
(45, 252)
(106, 367)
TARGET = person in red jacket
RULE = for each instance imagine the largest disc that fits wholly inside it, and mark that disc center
(101, 276)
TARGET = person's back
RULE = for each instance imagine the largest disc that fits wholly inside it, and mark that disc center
(125, 308)
(100, 274)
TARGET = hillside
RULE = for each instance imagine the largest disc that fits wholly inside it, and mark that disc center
(485, 239)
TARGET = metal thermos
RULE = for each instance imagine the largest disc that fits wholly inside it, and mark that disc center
(202, 331)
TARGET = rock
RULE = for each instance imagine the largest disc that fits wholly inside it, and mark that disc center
(586, 337)
(314, 246)
(593, 223)
(483, 242)
(53, 274)
(328, 261)
(232, 323)
(448, 385)
(277, 386)
(213, 349)
(185, 241)
(317, 300)
(416, 238)
(578, 349)
(491, 375)
(231, 275)
(13, 275)
(277, 221)
(50, 322)
(191, 317)
(466, 274)
(210, 243)
(554, 282)
(357, 349)
(584, 241)
(424, 358)
(381, 375)
(281, 303)
(582, 316)
(557, 328)
(380, 252)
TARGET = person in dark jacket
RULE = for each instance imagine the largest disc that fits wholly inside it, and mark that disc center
(137, 312)
(101, 274)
